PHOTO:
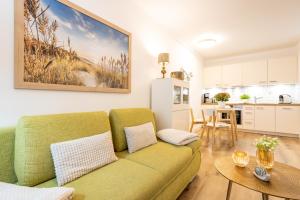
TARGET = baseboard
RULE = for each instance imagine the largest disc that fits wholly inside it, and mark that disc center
(271, 133)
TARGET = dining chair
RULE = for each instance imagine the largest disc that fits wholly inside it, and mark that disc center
(212, 125)
(194, 121)
(231, 120)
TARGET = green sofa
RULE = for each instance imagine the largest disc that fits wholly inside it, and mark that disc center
(160, 171)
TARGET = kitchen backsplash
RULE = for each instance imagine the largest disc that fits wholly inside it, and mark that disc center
(269, 94)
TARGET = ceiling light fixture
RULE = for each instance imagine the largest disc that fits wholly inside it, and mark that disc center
(207, 43)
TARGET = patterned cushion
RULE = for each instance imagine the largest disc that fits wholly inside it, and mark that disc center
(35, 134)
(75, 158)
(121, 118)
(15, 192)
(141, 136)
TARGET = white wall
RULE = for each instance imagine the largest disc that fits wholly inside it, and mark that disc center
(298, 46)
(148, 40)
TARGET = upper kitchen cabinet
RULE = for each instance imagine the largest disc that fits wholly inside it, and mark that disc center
(283, 70)
(212, 76)
(232, 75)
(255, 73)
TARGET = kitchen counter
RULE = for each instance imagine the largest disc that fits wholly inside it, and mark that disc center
(259, 104)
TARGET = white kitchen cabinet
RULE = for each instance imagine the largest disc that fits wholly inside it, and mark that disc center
(248, 124)
(255, 73)
(248, 117)
(248, 112)
(170, 103)
(283, 70)
(212, 76)
(232, 75)
(288, 119)
(265, 118)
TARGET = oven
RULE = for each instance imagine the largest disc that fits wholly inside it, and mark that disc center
(238, 114)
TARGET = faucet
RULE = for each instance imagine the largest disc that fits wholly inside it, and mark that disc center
(256, 98)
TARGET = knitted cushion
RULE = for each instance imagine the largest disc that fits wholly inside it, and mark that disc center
(121, 118)
(140, 136)
(16, 192)
(35, 134)
(75, 158)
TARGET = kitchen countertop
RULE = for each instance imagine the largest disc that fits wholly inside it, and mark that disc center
(260, 104)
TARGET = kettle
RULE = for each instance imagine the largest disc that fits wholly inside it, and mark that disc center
(285, 98)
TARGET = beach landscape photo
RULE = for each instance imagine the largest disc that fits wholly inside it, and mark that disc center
(65, 47)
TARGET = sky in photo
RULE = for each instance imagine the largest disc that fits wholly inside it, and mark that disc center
(91, 39)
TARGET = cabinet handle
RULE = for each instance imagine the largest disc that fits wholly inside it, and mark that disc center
(273, 81)
(261, 82)
(249, 113)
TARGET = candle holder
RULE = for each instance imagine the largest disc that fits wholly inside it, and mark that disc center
(240, 158)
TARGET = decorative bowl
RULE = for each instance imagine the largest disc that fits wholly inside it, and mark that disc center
(240, 158)
(262, 174)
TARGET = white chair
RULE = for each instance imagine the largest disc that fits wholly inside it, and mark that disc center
(212, 125)
(194, 121)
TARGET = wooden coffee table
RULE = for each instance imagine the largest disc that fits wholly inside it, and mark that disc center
(284, 183)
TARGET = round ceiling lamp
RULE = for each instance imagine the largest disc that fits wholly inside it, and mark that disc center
(207, 43)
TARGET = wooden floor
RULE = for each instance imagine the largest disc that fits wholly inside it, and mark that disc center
(209, 185)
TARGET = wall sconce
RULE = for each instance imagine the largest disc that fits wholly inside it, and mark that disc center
(163, 59)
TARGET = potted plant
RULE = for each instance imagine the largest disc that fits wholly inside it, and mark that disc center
(265, 147)
(245, 98)
(221, 98)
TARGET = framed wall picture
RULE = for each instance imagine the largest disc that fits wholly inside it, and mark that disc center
(60, 46)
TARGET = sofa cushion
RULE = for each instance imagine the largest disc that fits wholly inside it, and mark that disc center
(140, 136)
(165, 158)
(10, 191)
(7, 145)
(35, 134)
(122, 179)
(121, 118)
(75, 158)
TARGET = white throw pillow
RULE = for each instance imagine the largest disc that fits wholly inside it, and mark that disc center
(75, 158)
(177, 137)
(16, 192)
(140, 136)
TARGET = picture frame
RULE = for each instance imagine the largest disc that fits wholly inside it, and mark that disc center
(54, 64)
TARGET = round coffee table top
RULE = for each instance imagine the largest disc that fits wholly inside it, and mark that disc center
(284, 183)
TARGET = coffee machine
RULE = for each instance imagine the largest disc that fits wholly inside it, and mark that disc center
(205, 98)
(285, 98)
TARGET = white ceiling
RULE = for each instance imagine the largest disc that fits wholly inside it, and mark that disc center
(244, 25)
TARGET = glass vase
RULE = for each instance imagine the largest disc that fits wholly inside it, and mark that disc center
(265, 158)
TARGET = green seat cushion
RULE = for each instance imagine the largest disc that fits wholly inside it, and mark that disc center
(35, 134)
(122, 179)
(7, 145)
(121, 118)
(174, 189)
(165, 158)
